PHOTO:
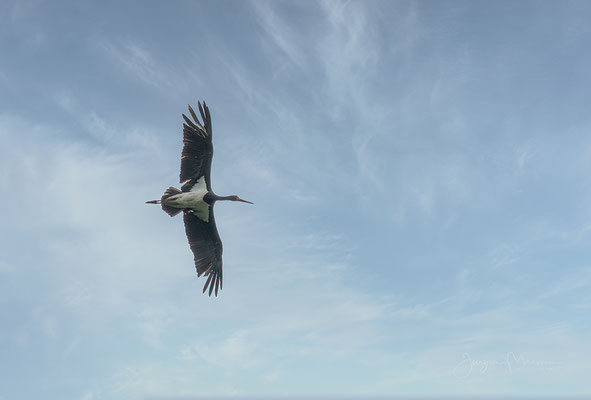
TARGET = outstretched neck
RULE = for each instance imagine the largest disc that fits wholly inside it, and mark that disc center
(214, 197)
(217, 198)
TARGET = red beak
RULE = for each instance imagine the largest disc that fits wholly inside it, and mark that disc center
(244, 201)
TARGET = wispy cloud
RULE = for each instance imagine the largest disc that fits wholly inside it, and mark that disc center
(414, 202)
(281, 33)
(133, 137)
(141, 64)
(569, 283)
(101, 264)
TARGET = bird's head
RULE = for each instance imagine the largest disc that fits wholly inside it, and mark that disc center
(236, 198)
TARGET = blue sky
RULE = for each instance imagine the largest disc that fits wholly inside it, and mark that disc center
(420, 174)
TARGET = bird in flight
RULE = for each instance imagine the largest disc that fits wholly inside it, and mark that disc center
(196, 198)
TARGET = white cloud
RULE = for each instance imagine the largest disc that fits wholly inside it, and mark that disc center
(334, 131)
(579, 279)
(139, 62)
(280, 32)
(88, 396)
(121, 262)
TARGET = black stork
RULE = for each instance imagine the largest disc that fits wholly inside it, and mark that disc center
(196, 198)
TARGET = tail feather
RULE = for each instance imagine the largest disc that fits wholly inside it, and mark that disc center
(172, 211)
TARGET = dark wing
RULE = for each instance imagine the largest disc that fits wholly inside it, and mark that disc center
(206, 245)
(197, 149)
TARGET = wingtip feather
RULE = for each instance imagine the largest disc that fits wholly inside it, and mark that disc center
(194, 116)
(210, 288)
(191, 123)
(207, 284)
(202, 112)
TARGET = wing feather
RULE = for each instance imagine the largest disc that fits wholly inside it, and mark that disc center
(197, 151)
(207, 283)
(201, 110)
(194, 116)
(190, 123)
(206, 245)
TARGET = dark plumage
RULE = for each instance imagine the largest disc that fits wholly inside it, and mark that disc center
(196, 198)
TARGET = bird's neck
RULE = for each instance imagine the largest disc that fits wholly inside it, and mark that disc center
(215, 197)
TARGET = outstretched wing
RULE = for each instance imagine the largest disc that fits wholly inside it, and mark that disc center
(206, 245)
(197, 149)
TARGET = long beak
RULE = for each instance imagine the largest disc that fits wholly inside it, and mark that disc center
(244, 201)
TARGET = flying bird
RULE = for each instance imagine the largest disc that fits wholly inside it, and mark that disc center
(196, 198)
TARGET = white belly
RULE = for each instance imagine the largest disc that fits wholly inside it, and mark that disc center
(192, 200)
